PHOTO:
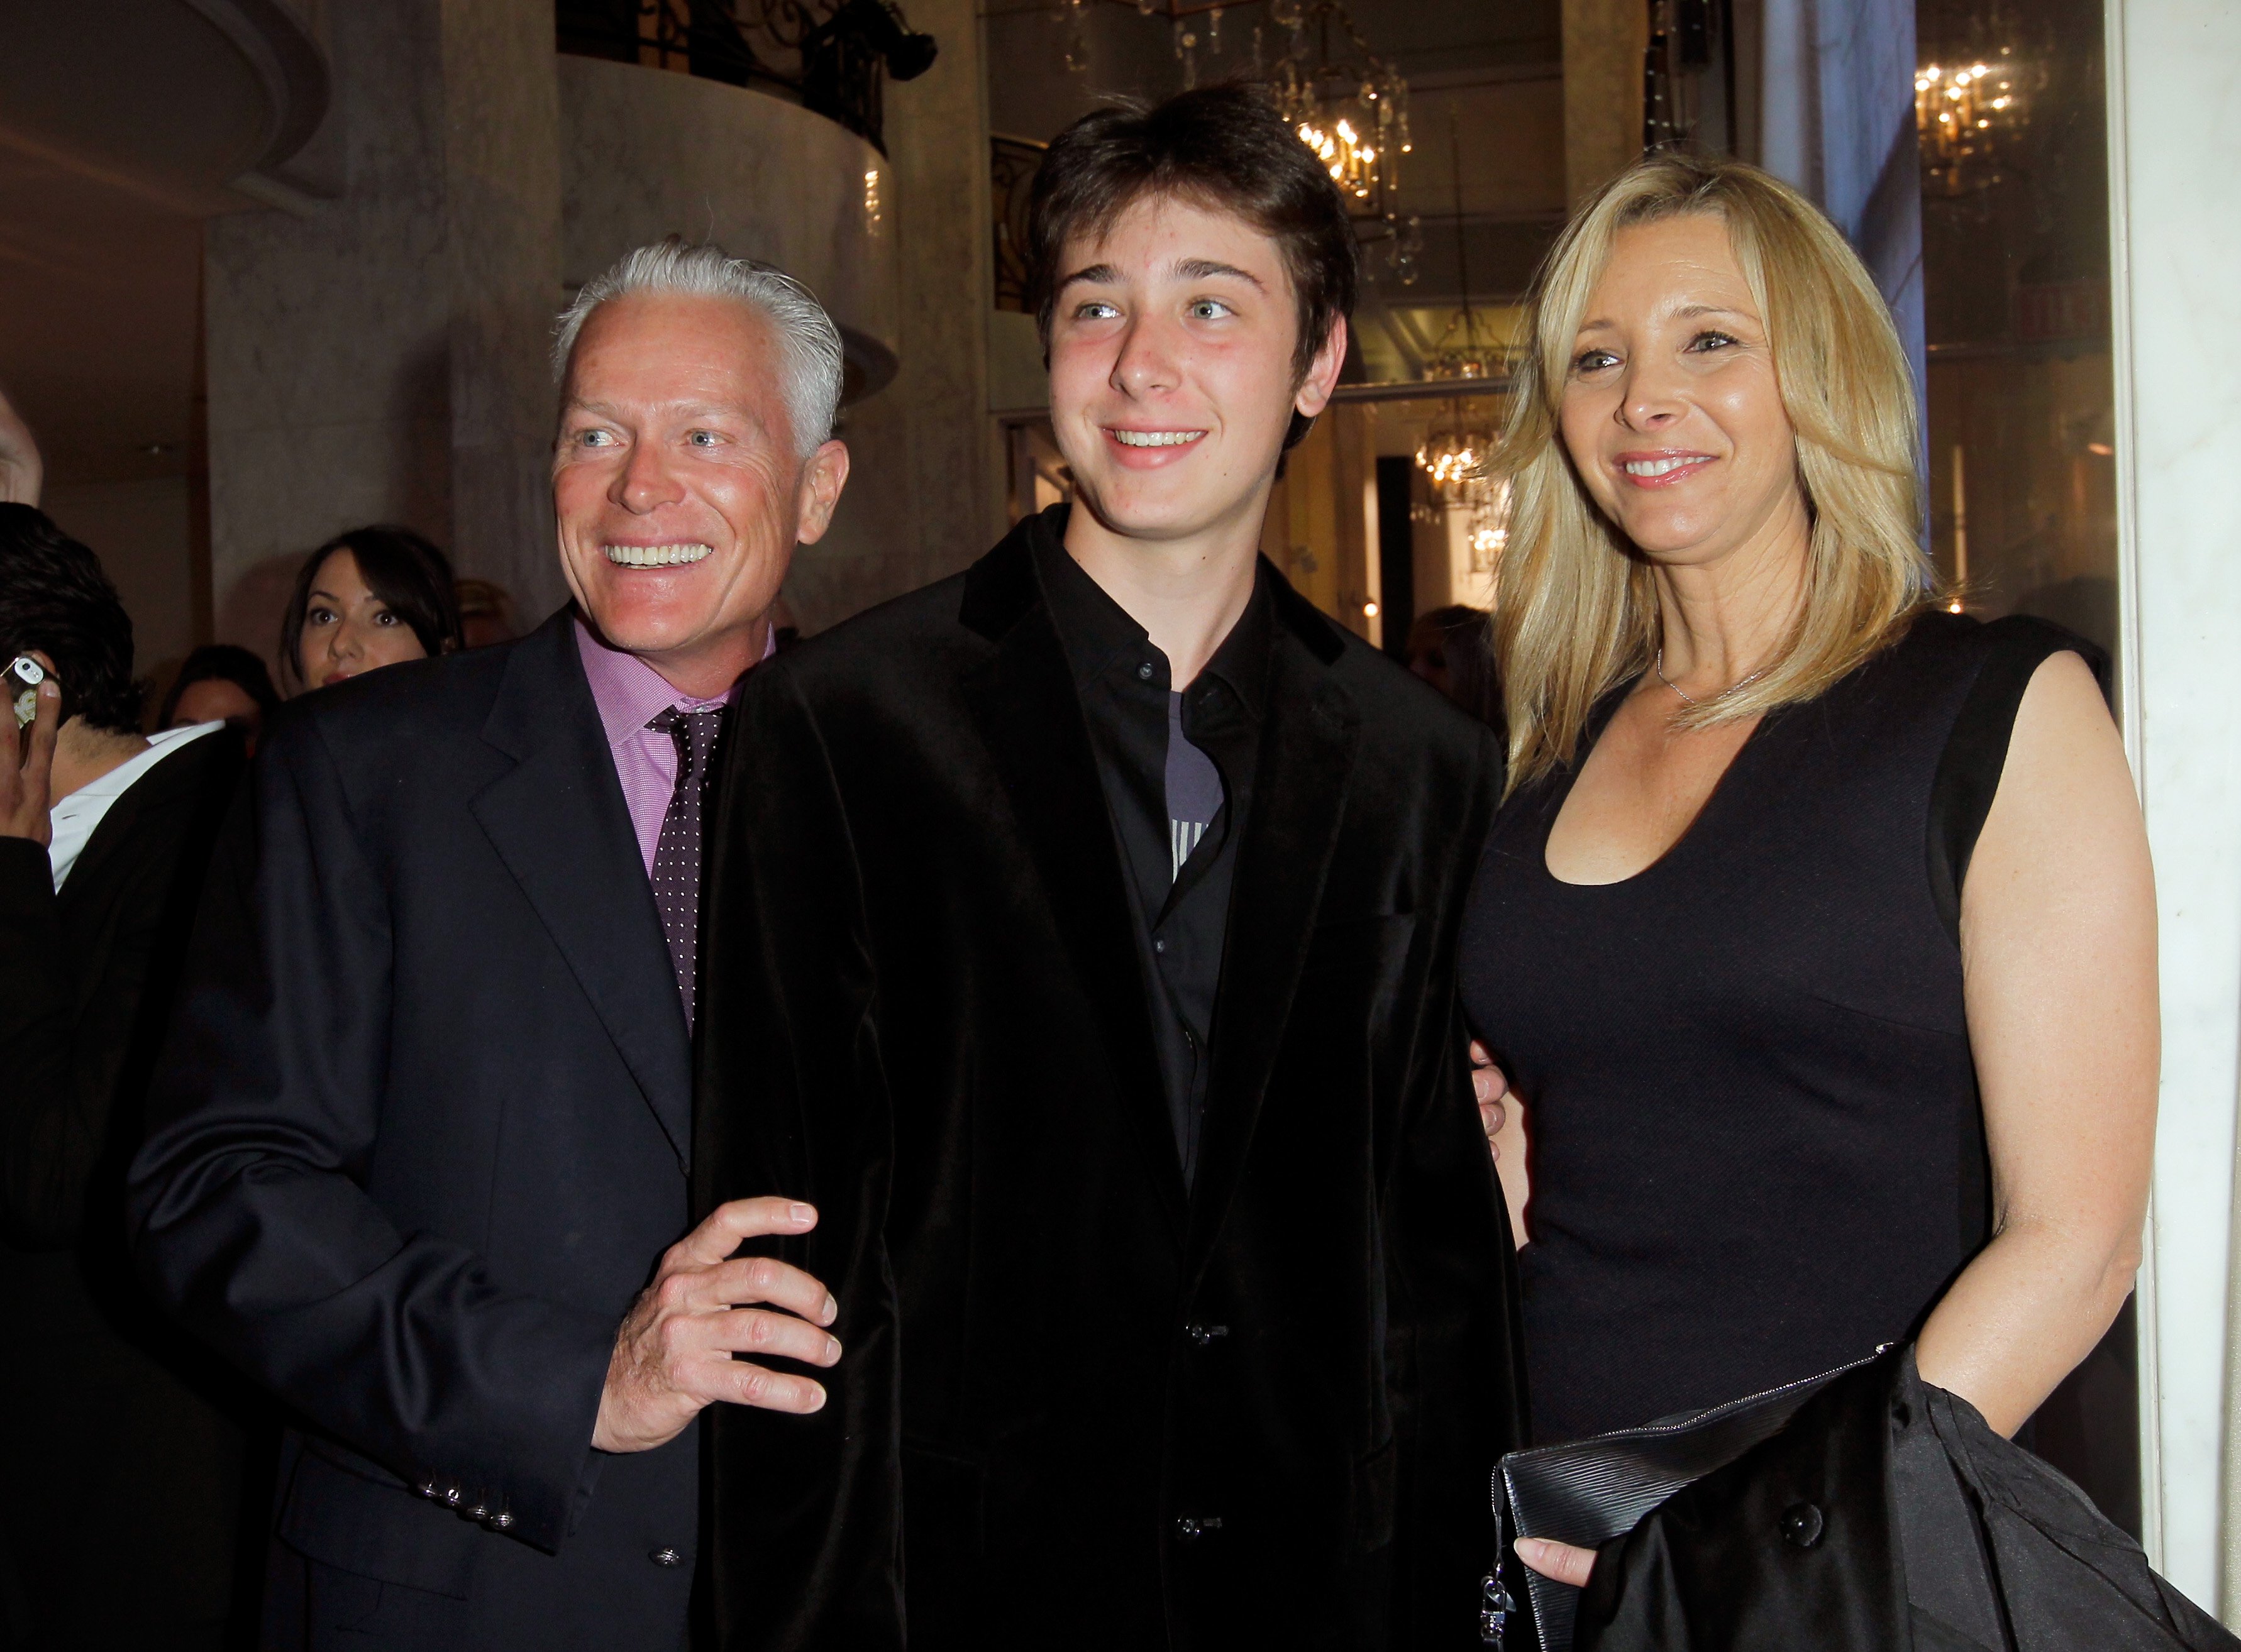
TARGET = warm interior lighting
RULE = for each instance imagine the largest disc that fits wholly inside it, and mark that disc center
(1351, 110)
(1369, 611)
(1450, 457)
(1963, 115)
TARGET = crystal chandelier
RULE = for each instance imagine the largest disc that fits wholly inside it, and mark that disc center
(1346, 104)
(1453, 453)
(1353, 111)
(1489, 528)
(1961, 115)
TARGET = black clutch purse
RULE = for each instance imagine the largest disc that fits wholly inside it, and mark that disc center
(1589, 1491)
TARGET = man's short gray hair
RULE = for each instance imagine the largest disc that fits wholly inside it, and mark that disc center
(808, 339)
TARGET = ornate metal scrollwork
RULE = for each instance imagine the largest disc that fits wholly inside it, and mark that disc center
(1012, 163)
(832, 57)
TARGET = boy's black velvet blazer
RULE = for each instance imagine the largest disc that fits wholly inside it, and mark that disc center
(923, 1011)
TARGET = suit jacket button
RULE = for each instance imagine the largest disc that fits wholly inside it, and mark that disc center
(666, 1556)
(1802, 1524)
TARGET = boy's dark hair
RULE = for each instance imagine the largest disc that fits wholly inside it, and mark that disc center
(1223, 147)
(55, 598)
(410, 576)
(222, 663)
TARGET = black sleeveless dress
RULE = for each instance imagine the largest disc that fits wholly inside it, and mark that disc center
(1757, 1148)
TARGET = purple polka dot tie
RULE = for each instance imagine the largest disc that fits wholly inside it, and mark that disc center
(677, 852)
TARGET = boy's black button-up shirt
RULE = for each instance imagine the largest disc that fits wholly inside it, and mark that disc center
(1177, 769)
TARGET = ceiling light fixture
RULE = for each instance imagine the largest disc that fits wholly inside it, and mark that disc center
(1348, 106)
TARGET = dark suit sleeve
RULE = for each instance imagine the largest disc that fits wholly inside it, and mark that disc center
(1459, 1401)
(85, 983)
(54, 1106)
(247, 1201)
(803, 1535)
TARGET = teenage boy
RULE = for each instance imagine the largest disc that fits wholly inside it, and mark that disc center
(1081, 944)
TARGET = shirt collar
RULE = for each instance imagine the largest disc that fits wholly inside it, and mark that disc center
(630, 693)
(1095, 630)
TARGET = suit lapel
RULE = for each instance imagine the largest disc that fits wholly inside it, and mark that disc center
(558, 822)
(1025, 706)
(1299, 798)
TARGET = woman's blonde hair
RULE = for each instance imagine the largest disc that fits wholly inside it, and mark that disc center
(1576, 609)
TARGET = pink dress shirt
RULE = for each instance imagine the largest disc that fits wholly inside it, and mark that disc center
(630, 693)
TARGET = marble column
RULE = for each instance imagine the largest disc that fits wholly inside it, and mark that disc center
(502, 201)
(1603, 43)
(377, 357)
(937, 133)
(927, 489)
(2174, 99)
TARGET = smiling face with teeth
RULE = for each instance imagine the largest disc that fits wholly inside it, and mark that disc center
(1672, 412)
(1174, 380)
(677, 487)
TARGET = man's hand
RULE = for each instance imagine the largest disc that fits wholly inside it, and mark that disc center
(674, 1353)
(1566, 1562)
(1493, 1088)
(25, 786)
(21, 469)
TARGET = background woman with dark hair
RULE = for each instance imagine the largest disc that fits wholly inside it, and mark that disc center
(1451, 648)
(369, 597)
(220, 683)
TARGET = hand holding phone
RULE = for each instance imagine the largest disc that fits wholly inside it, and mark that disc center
(25, 785)
(24, 676)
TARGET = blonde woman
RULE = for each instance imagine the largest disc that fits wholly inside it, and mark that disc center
(1816, 931)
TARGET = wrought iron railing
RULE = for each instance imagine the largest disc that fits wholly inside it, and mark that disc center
(1012, 163)
(832, 57)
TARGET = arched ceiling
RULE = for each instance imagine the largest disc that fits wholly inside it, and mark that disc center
(124, 124)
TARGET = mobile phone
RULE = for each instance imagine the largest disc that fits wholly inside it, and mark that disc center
(24, 676)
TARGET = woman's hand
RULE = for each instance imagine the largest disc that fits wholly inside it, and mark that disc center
(1502, 1117)
(2058, 956)
(1565, 1562)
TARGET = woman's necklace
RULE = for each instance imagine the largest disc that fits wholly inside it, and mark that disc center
(1690, 700)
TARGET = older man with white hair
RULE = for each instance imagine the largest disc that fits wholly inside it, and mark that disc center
(418, 1153)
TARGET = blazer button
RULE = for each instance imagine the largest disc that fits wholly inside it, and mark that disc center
(1802, 1524)
(666, 1556)
(1190, 1528)
(1205, 1335)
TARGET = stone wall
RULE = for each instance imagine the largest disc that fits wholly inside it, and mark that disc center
(925, 493)
(381, 357)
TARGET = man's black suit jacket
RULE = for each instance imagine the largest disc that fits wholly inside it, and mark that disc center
(1078, 1406)
(421, 1137)
(125, 1450)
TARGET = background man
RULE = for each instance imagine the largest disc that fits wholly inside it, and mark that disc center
(422, 1131)
(1082, 945)
(104, 839)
